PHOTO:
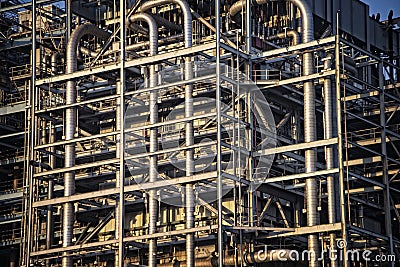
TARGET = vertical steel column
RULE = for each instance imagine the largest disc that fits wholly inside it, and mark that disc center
(68, 22)
(189, 136)
(248, 37)
(329, 118)
(29, 150)
(219, 151)
(120, 181)
(50, 221)
(386, 192)
(340, 138)
(70, 125)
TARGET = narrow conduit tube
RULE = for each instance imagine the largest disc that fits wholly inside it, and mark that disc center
(153, 168)
(330, 132)
(189, 133)
(69, 131)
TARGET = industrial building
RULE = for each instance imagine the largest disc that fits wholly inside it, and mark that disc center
(199, 133)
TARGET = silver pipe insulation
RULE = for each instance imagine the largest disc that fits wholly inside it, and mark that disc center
(70, 128)
(153, 34)
(153, 168)
(311, 188)
(189, 132)
(329, 119)
(119, 181)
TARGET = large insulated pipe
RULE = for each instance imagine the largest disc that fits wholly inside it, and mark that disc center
(153, 171)
(311, 188)
(189, 132)
(329, 119)
(69, 131)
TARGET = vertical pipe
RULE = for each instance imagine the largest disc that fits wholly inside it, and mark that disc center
(189, 134)
(340, 140)
(50, 223)
(153, 174)
(153, 168)
(68, 22)
(386, 192)
(119, 207)
(69, 132)
(54, 58)
(120, 153)
(329, 118)
(219, 151)
(69, 161)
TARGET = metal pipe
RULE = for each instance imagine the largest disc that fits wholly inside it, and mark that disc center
(189, 132)
(50, 193)
(70, 128)
(340, 139)
(311, 188)
(119, 182)
(309, 118)
(329, 118)
(166, 23)
(153, 168)
(187, 15)
(239, 6)
(220, 236)
(54, 58)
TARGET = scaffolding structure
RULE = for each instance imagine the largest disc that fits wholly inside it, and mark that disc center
(198, 133)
